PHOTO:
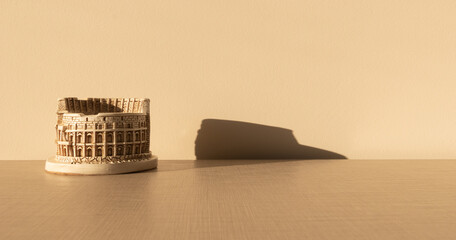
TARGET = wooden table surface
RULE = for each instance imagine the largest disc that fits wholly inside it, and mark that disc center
(241, 199)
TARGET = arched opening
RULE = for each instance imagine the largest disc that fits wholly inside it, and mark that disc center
(99, 151)
(79, 152)
(99, 138)
(109, 151)
(89, 138)
(79, 138)
(128, 150)
(136, 136)
(64, 151)
(129, 137)
(109, 137)
(119, 137)
(137, 150)
(89, 152)
(119, 151)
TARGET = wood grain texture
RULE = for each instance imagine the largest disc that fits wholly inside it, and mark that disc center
(255, 199)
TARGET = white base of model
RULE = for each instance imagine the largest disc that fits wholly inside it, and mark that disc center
(53, 166)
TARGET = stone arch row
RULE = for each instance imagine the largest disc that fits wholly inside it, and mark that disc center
(130, 137)
(95, 151)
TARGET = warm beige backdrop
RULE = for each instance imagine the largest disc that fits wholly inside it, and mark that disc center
(366, 79)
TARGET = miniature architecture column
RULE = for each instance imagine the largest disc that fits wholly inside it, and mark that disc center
(124, 142)
(105, 143)
(93, 144)
(114, 139)
(73, 144)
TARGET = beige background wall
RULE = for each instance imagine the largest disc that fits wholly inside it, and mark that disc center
(366, 79)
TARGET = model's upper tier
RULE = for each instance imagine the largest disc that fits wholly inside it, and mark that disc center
(91, 106)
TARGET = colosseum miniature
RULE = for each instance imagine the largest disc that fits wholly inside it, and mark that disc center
(102, 136)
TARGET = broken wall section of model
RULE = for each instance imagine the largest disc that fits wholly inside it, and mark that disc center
(92, 106)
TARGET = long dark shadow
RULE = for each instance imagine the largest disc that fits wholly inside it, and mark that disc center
(233, 140)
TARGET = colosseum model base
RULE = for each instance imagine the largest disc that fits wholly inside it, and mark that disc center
(101, 168)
